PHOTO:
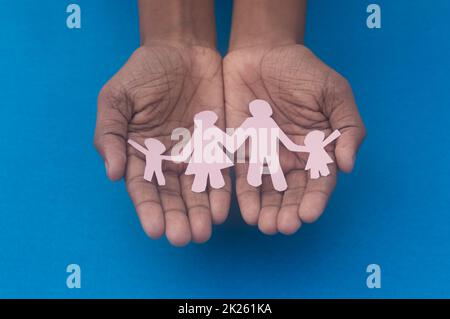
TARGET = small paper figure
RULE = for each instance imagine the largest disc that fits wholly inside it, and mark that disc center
(207, 157)
(318, 157)
(153, 158)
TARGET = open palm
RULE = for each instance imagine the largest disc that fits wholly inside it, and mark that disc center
(305, 95)
(159, 89)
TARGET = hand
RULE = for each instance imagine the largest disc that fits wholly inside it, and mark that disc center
(159, 89)
(305, 95)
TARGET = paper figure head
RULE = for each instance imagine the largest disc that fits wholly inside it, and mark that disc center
(260, 108)
(154, 146)
(314, 138)
(205, 118)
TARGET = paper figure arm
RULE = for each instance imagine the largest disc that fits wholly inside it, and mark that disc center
(184, 155)
(167, 157)
(227, 141)
(137, 146)
(331, 138)
(240, 135)
(289, 144)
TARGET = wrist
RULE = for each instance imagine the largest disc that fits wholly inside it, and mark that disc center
(272, 40)
(267, 23)
(177, 22)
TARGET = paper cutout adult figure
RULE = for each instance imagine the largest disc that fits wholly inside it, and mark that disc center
(153, 158)
(207, 157)
(318, 159)
(265, 135)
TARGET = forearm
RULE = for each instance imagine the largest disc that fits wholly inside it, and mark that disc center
(190, 22)
(267, 22)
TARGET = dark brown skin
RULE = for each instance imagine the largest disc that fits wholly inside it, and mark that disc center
(305, 95)
(177, 73)
(164, 83)
(268, 61)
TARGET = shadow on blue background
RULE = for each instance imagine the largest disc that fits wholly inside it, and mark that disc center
(57, 207)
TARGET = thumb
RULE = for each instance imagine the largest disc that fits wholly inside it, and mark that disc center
(347, 146)
(111, 130)
(344, 116)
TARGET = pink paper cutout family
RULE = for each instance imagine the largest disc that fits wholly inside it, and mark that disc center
(207, 157)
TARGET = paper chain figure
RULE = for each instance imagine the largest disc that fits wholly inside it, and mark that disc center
(207, 157)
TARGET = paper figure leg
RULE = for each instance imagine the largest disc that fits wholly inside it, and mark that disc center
(324, 171)
(200, 182)
(216, 179)
(148, 174)
(160, 178)
(278, 180)
(314, 173)
(254, 175)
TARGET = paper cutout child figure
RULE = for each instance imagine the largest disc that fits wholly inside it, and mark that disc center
(153, 151)
(318, 159)
(207, 157)
(265, 132)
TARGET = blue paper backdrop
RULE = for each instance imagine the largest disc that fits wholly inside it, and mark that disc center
(58, 208)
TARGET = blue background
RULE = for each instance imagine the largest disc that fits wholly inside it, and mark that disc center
(58, 208)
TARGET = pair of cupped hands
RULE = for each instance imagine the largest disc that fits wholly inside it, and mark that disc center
(162, 87)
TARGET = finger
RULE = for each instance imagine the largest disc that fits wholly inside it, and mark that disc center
(316, 196)
(178, 230)
(270, 206)
(198, 208)
(247, 195)
(111, 131)
(145, 198)
(219, 200)
(347, 147)
(288, 220)
(344, 116)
